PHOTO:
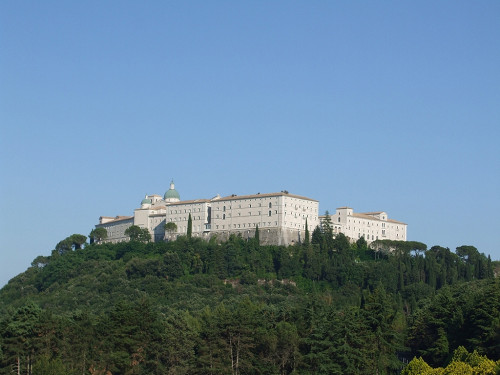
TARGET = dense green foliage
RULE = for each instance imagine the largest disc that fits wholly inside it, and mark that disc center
(136, 233)
(195, 307)
(98, 235)
(462, 363)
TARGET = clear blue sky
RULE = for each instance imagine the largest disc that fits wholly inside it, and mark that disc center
(390, 106)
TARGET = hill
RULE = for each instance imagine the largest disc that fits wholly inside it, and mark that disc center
(195, 307)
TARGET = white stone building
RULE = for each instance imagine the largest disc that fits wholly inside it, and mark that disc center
(116, 226)
(179, 212)
(281, 217)
(370, 225)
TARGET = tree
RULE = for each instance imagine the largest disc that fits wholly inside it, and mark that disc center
(190, 227)
(138, 234)
(317, 236)
(387, 340)
(417, 366)
(19, 334)
(47, 366)
(287, 347)
(257, 237)
(98, 234)
(238, 330)
(170, 227)
(77, 240)
(361, 244)
(64, 246)
(462, 363)
(327, 230)
(306, 236)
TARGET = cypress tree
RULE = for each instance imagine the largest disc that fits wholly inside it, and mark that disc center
(257, 239)
(327, 229)
(190, 227)
(306, 239)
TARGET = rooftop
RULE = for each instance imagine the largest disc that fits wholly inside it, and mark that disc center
(266, 195)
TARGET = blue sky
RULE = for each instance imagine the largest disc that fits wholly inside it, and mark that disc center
(390, 106)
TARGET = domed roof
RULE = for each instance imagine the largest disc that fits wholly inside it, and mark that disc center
(172, 194)
(146, 200)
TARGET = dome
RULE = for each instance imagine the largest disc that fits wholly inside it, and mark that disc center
(172, 195)
(146, 201)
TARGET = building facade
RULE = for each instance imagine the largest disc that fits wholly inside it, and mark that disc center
(281, 218)
(115, 227)
(370, 225)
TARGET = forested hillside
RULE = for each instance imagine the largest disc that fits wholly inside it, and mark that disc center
(195, 307)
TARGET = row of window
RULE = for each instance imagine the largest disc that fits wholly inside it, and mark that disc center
(239, 206)
(186, 211)
(185, 218)
(244, 225)
(368, 223)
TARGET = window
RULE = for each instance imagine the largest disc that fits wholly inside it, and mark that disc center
(270, 211)
(223, 216)
(270, 205)
(224, 208)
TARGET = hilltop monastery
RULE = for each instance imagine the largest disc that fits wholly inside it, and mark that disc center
(281, 218)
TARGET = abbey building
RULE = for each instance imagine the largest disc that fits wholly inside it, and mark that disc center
(370, 225)
(281, 218)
